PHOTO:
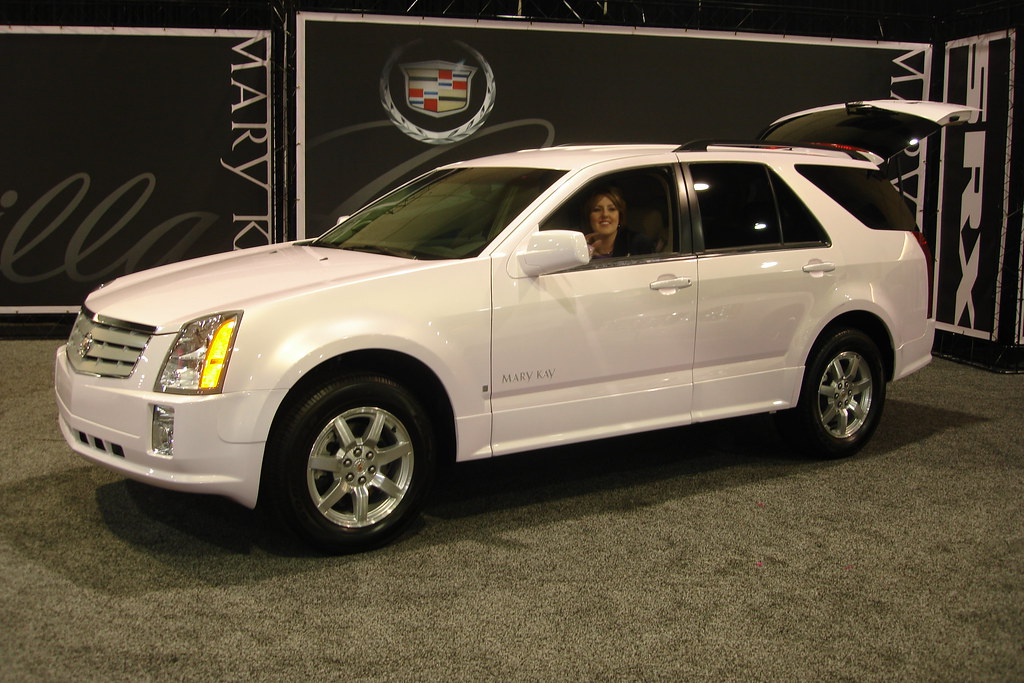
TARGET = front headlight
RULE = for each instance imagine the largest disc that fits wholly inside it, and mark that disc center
(199, 358)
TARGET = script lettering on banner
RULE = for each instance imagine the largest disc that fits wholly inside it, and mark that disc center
(49, 213)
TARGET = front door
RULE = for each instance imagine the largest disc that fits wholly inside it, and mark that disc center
(603, 349)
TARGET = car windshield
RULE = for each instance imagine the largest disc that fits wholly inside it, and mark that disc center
(447, 214)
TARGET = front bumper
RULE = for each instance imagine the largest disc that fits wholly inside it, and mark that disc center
(218, 439)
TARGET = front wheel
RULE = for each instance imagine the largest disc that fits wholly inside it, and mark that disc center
(841, 398)
(349, 464)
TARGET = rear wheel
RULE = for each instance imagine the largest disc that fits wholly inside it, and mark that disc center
(349, 464)
(841, 398)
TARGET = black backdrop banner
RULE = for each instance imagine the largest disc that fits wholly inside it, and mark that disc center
(382, 99)
(124, 149)
(974, 196)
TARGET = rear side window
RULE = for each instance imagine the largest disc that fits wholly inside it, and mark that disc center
(737, 208)
(747, 206)
(867, 194)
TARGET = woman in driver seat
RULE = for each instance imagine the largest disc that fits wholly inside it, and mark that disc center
(604, 213)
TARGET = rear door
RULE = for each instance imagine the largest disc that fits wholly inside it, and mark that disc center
(766, 273)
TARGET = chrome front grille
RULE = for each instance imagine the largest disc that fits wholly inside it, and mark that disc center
(105, 347)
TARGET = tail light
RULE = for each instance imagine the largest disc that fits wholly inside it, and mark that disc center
(929, 260)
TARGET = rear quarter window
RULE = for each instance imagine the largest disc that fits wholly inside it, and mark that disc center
(865, 193)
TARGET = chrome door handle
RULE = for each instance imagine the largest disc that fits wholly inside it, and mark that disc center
(819, 267)
(674, 283)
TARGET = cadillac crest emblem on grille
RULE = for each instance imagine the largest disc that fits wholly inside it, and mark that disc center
(85, 346)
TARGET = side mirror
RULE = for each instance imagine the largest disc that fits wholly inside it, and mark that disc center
(550, 251)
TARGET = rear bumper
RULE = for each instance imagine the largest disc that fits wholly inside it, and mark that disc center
(914, 354)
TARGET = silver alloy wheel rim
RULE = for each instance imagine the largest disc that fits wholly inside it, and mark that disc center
(844, 394)
(360, 467)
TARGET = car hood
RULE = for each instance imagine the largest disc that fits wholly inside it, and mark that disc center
(882, 127)
(168, 296)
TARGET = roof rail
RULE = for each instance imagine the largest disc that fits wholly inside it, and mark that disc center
(809, 147)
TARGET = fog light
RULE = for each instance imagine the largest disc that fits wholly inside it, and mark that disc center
(163, 430)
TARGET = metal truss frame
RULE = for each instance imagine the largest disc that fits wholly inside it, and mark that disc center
(903, 20)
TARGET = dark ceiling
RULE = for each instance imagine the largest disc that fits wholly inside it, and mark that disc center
(904, 20)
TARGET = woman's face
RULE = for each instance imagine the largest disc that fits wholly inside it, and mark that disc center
(604, 216)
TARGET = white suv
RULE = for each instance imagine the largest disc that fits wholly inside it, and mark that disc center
(516, 302)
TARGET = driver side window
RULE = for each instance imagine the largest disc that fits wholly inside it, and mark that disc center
(625, 214)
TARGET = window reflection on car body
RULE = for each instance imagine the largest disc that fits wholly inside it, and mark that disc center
(378, 249)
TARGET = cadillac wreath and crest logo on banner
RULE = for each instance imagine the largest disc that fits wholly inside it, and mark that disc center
(437, 89)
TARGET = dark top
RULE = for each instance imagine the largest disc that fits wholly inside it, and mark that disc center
(630, 243)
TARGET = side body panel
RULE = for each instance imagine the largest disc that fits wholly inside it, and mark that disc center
(755, 310)
(591, 353)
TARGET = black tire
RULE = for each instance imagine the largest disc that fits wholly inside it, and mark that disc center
(348, 464)
(841, 398)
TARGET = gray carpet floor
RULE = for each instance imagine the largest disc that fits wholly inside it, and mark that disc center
(704, 553)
